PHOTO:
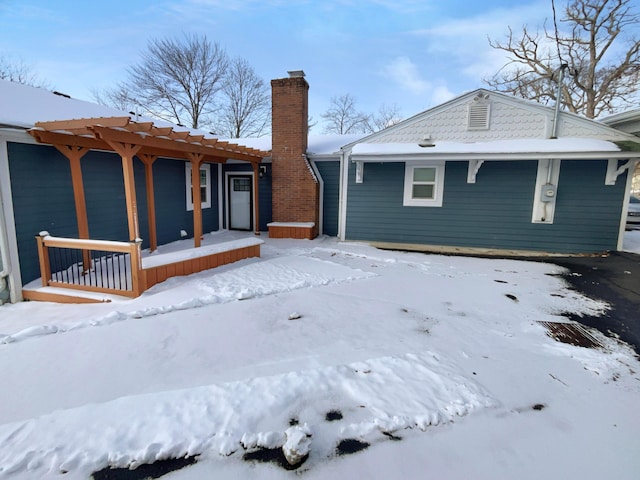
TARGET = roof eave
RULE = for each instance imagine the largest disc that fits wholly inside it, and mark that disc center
(501, 156)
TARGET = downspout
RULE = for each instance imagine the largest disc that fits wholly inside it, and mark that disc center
(4, 254)
(316, 172)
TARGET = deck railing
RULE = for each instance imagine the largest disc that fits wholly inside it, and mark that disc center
(91, 265)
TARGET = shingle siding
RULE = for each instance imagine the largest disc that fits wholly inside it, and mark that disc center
(495, 212)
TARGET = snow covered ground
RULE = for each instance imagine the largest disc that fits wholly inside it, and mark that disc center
(436, 362)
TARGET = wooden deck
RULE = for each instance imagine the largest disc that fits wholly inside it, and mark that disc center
(77, 282)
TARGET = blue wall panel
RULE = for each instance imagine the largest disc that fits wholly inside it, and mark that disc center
(330, 173)
(495, 212)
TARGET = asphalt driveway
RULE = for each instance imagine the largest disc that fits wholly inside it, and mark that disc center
(614, 278)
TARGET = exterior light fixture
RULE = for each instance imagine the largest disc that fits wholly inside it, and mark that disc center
(427, 142)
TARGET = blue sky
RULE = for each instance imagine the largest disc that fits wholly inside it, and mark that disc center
(412, 53)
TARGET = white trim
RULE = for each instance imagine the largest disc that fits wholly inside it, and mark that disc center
(474, 167)
(548, 174)
(220, 198)
(343, 194)
(436, 201)
(207, 168)
(503, 156)
(320, 181)
(240, 173)
(8, 228)
(614, 171)
(625, 205)
(359, 171)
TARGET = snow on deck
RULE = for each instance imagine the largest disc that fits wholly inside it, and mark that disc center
(151, 260)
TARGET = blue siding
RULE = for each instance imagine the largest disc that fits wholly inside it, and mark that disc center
(169, 185)
(42, 196)
(330, 173)
(495, 212)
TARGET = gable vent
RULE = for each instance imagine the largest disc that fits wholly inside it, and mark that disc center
(478, 113)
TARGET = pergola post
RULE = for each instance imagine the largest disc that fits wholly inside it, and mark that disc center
(256, 197)
(151, 202)
(196, 161)
(74, 154)
(127, 152)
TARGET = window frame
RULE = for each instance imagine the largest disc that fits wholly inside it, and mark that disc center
(205, 167)
(438, 183)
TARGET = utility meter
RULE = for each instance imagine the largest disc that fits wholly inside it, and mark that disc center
(548, 192)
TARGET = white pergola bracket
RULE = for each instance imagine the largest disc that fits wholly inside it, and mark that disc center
(359, 171)
(614, 170)
(474, 166)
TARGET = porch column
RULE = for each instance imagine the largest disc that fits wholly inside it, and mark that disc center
(127, 151)
(74, 154)
(256, 199)
(151, 201)
(196, 161)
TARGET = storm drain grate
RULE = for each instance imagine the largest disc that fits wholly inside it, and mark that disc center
(572, 333)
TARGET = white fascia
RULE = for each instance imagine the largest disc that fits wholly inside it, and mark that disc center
(342, 197)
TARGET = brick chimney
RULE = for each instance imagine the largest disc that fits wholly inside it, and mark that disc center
(295, 190)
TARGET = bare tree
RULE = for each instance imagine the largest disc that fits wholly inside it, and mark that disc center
(342, 117)
(18, 72)
(387, 116)
(596, 45)
(178, 80)
(245, 108)
(119, 97)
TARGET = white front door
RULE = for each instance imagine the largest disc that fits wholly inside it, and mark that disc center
(240, 196)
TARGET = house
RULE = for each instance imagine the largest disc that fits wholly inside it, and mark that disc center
(487, 172)
(484, 172)
(78, 171)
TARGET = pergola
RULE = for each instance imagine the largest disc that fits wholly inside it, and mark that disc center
(128, 138)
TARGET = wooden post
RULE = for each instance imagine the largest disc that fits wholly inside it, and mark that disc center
(138, 278)
(151, 202)
(127, 152)
(256, 198)
(196, 161)
(74, 154)
(45, 266)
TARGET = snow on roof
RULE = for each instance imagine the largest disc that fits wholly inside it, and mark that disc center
(528, 145)
(328, 144)
(316, 144)
(23, 106)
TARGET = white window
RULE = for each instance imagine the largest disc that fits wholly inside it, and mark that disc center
(205, 186)
(423, 185)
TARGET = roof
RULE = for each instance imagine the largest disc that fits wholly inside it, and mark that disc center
(26, 107)
(510, 118)
(512, 149)
(628, 121)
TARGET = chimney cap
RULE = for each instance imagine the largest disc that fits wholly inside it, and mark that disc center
(296, 73)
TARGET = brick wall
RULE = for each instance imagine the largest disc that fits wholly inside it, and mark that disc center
(295, 189)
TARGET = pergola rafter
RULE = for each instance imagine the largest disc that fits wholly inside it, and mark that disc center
(147, 141)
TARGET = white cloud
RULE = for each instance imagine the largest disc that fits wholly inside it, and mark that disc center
(465, 41)
(405, 73)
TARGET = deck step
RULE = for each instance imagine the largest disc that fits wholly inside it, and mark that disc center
(62, 295)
